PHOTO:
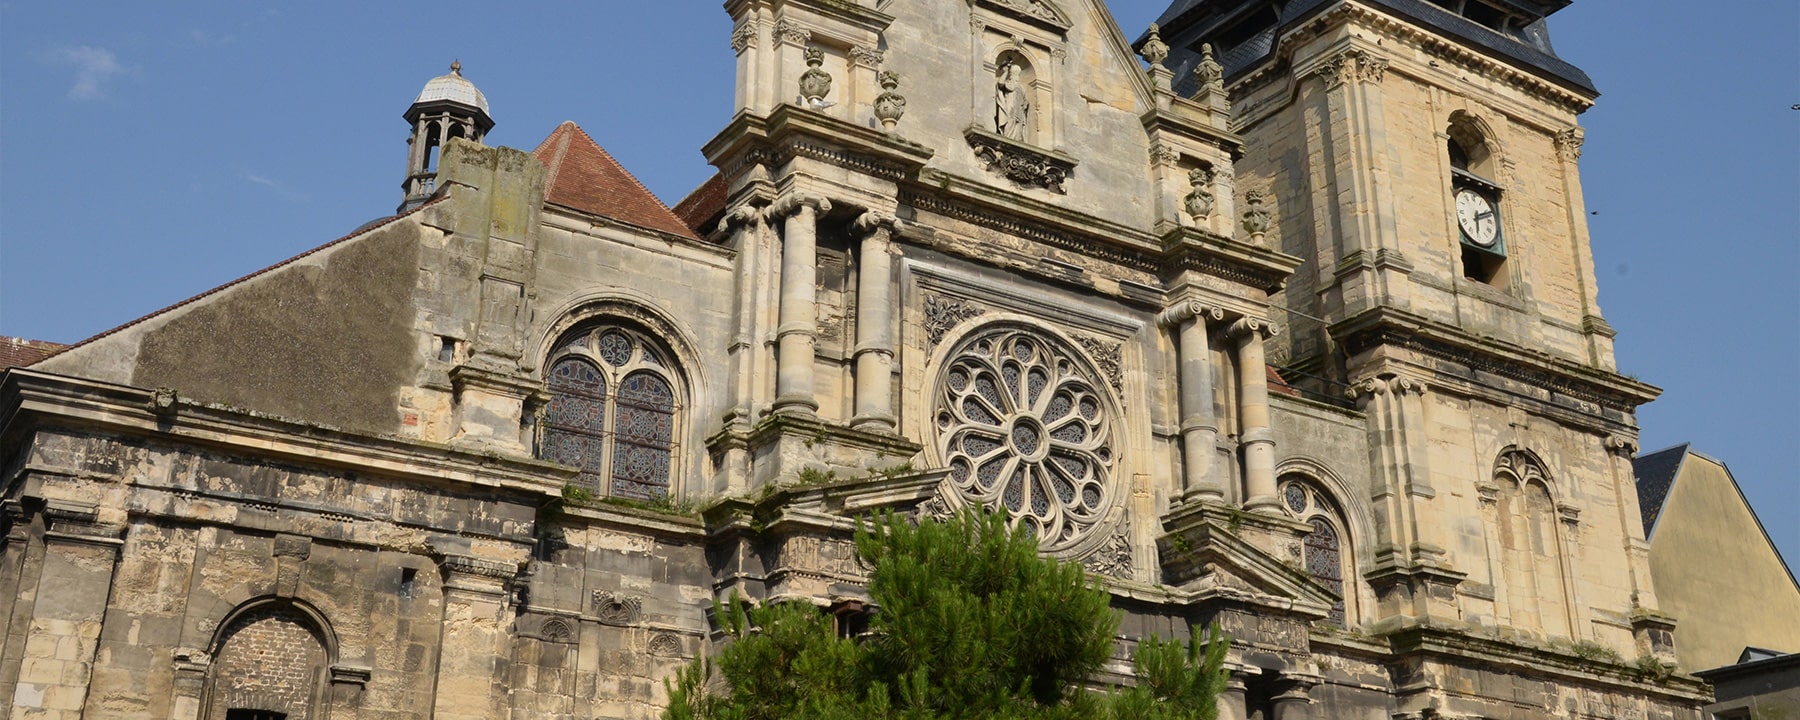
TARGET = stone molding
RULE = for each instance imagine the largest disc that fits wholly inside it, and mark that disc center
(1018, 162)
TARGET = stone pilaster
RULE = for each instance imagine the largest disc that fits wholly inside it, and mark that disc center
(471, 645)
(747, 224)
(1199, 421)
(68, 608)
(1371, 267)
(798, 331)
(1257, 439)
(874, 325)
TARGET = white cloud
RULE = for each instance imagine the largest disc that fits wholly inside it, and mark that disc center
(280, 188)
(94, 68)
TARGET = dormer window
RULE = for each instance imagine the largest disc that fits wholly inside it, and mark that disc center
(1475, 203)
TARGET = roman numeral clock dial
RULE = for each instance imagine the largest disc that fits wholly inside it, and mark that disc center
(1476, 215)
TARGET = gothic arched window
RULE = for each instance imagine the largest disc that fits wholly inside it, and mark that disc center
(1525, 518)
(1325, 554)
(613, 409)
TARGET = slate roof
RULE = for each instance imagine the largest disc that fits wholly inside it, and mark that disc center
(1655, 475)
(703, 204)
(583, 176)
(20, 352)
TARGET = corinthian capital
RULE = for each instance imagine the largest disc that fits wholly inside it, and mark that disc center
(1568, 142)
(1354, 64)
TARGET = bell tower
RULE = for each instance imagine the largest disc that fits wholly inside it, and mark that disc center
(449, 107)
(1422, 157)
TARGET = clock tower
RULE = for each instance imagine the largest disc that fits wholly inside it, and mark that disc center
(1422, 157)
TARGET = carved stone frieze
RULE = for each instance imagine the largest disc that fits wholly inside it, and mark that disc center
(1106, 356)
(1112, 559)
(1019, 162)
(615, 608)
(942, 313)
(664, 644)
(1041, 11)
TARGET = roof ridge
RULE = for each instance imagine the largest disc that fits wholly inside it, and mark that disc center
(359, 232)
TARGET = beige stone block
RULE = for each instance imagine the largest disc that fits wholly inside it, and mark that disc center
(40, 671)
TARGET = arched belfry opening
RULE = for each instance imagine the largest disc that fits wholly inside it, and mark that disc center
(449, 107)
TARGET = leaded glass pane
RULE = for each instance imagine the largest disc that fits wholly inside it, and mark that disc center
(575, 420)
(1024, 430)
(1325, 563)
(645, 436)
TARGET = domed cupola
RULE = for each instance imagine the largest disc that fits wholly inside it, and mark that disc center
(448, 107)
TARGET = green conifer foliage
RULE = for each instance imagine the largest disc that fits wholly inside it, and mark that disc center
(972, 623)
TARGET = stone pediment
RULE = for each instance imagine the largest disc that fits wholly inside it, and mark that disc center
(1041, 12)
(1204, 556)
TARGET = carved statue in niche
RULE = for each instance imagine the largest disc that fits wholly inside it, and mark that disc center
(1012, 111)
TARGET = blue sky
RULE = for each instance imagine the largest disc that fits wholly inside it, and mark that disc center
(149, 151)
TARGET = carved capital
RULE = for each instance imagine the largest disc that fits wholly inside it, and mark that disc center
(1568, 143)
(1163, 155)
(1181, 312)
(793, 202)
(1625, 447)
(1354, 64)
(792, 33)
(867, 56)
(874, 221)
(743, 37)
(1248, 327)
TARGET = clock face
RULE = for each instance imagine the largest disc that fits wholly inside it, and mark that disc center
(1476, 215)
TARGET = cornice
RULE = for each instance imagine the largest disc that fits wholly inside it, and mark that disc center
(1275, 64)
(1186, 248)
(795, 132)
(30, 398)
(1388, 326)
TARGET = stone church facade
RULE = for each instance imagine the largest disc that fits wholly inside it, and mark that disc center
(1290, 326)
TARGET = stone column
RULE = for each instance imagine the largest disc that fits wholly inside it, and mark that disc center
(1199, 423)
(746, 224)
(69, 605)
(1232, 704)
(1253, 415)
(1292, 696)
(799, 294)
(470, 668)
(874, 325)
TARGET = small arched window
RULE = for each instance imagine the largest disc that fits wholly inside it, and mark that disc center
(1325, 554)
(1475, 200)
(613, 409)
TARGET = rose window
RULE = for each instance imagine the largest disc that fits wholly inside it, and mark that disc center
(1023, 428)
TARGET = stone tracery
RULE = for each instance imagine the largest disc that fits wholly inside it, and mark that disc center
(1024, 429)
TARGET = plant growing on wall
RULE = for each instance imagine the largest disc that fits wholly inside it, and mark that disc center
(972, 624)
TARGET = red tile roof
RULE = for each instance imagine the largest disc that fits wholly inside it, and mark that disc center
(583, 176)
(704, 204)
(19, 352)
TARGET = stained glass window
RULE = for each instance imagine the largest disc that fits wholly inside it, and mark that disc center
(612, 413)
(1022, 431)
(1323, 552)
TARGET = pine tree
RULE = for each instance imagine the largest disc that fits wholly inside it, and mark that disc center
(972, 624)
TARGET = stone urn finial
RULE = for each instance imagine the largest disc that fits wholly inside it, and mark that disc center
(889, 105)
(1257, 218)
(1199, 202)
(1155, 51)
(1209, 73)
(815, 83)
